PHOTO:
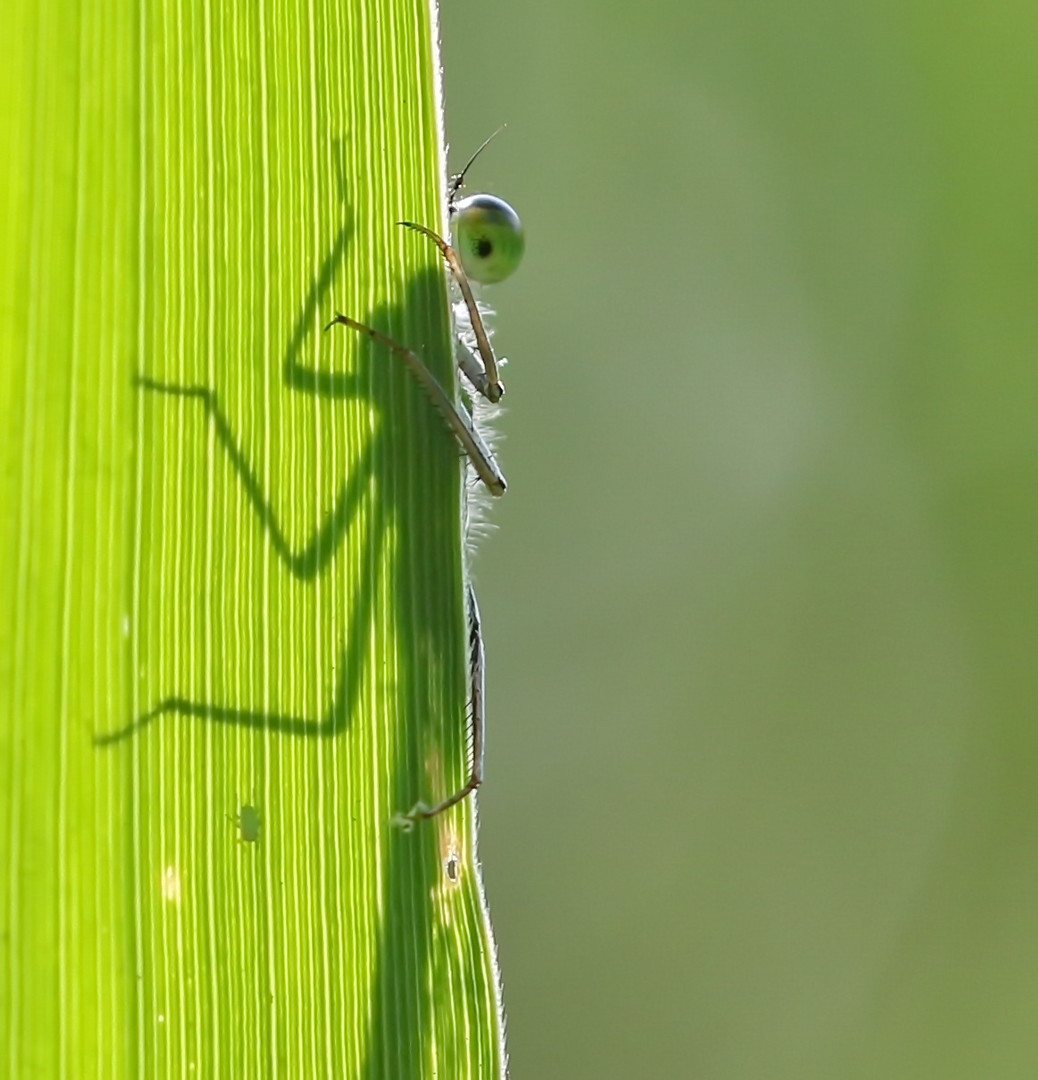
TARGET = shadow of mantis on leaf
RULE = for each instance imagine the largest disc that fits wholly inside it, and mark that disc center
(491, 248)
(310, 559)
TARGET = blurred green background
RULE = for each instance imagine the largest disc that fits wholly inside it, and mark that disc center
(762, 793)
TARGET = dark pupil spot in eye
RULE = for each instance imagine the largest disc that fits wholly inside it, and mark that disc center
(483, 247)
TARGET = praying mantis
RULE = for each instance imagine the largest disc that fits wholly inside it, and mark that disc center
(489, 247)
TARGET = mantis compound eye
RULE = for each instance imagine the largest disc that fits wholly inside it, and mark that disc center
(489, 237)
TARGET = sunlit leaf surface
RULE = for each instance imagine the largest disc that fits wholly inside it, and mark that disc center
(233, 621)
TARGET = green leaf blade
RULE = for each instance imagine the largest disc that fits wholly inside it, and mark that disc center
(237, 538)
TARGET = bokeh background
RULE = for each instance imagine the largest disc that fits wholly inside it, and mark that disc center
(761, 612)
